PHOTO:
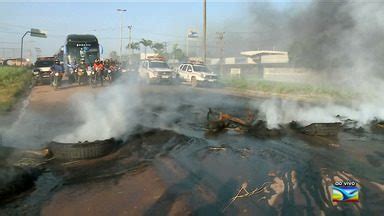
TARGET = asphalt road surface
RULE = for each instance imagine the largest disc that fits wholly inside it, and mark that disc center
(170, 165)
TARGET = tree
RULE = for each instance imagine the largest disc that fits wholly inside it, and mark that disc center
(134, 46)
(113, 55)
(158, 48)
(177, 53)
(146, 43)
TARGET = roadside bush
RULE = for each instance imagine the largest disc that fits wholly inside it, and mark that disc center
(14, 81)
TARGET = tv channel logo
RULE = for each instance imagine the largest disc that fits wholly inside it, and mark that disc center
(345, 192)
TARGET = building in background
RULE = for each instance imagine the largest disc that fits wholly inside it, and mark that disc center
(251, 63)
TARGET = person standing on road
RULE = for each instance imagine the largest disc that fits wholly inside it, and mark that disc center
(56, 68)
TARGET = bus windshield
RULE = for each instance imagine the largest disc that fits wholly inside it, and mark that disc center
(79, 47)
(77, 53)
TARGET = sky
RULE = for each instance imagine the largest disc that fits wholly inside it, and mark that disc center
(157, 21)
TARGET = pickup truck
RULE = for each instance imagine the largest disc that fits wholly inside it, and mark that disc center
(196, 74)
(155, 71)
(42, 70)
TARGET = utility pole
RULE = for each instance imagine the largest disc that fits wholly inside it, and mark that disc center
(38, 51)
(165, 44)
(220, 36)
(205, 30)
(187, 44)
(121, 30)
(130, 44)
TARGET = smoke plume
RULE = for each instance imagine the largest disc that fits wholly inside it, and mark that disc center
(341, 40)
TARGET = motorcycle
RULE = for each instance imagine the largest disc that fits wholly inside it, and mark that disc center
(93, 79)
(56, 83)
(109, 75)
(81, 76)
(72, 74)
(96, 76)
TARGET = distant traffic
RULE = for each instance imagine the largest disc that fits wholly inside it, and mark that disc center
(79, 61)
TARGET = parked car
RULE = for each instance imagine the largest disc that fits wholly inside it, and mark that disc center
(156, 70)
(42, 69)
(196, 74)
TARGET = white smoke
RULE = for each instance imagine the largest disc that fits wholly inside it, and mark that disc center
(112, 112)
(343, 41)
(277, 112)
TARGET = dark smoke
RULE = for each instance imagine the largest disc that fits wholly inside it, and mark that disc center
(270, 27)
(319, 34)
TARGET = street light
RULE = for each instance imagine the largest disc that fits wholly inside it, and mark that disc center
(130, 44)
(205, 29)
(220, 37)
(121, 30)
(34, 33)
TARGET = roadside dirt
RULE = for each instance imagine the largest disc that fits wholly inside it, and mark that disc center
(129, 195)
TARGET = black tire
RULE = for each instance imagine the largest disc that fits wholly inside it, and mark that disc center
(82, 80)
(100, 76)
(193, 81)
(109, 77)
(80, 151)
(93, 81)
(55, 83)
(71, 79)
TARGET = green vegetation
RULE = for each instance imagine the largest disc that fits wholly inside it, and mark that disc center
(146, 43)
(286, 88)
(13, 83)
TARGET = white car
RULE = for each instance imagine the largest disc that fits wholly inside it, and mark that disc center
(196, 74)
(155, 71)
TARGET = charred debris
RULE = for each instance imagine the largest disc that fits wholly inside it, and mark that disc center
(20, 169)
(218, 121)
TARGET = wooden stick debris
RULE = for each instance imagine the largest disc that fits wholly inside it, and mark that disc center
(246, 193)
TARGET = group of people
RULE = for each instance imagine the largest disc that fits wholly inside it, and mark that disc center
(101, 70)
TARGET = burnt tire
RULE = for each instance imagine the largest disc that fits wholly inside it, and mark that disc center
(84, 150)
(15, 180)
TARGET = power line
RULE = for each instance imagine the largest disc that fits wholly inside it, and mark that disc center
(138, 29)
(5, 42)
(10, 32)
